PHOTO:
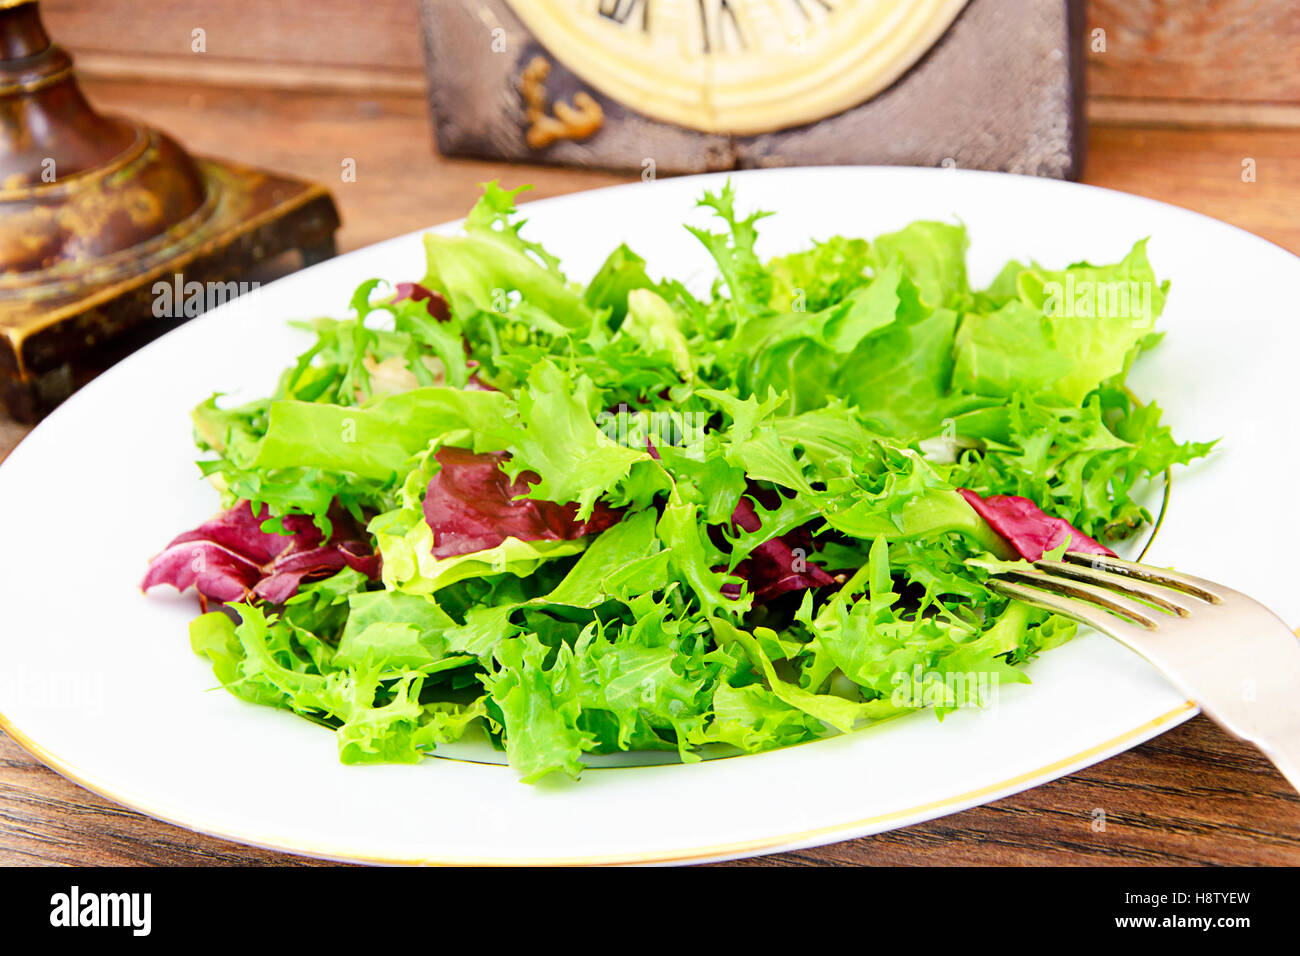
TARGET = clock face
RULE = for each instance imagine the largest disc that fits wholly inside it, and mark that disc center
(738, 66)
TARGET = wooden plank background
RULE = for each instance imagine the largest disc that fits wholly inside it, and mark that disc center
(1225, 51)
(1179, 62)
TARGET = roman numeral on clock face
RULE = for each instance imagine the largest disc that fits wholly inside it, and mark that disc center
(724, 26)
(720, 26)
(626, 12)
(810, 8)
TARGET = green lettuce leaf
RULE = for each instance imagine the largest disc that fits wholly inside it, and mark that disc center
(1065, 333)
(824, 406)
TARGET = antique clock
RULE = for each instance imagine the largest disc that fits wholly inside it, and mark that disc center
(690, 85)
(737, 66)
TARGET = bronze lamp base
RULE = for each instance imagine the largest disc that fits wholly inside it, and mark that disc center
(94, 211)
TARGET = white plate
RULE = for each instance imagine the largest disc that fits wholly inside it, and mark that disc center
(99, 681)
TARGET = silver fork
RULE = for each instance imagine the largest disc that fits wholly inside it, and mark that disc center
(1226, 651)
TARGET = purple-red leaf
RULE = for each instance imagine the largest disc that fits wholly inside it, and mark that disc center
(470, 506)
(433, 301)
(774, 568)
(230, 557)
(1028, 529)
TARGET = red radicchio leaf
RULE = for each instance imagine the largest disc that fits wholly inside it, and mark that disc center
(770, 568)
(438, 307)
(1029, 530)
(433, 301)
(230, 557)
(469, 506)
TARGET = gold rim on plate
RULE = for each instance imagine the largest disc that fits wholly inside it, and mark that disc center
(935, 808)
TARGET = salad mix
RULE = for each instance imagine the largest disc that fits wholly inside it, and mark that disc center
(624, 516)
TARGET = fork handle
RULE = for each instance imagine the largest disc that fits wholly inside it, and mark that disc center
(1249, 685)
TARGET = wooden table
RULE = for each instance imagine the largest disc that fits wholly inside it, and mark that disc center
(1193, 795)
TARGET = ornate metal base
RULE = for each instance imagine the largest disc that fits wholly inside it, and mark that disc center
(95, 211)
(55, 323)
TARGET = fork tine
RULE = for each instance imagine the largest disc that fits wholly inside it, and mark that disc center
(1082, 611)
(1175, 602)
(1103, 597)
(1189, 584)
